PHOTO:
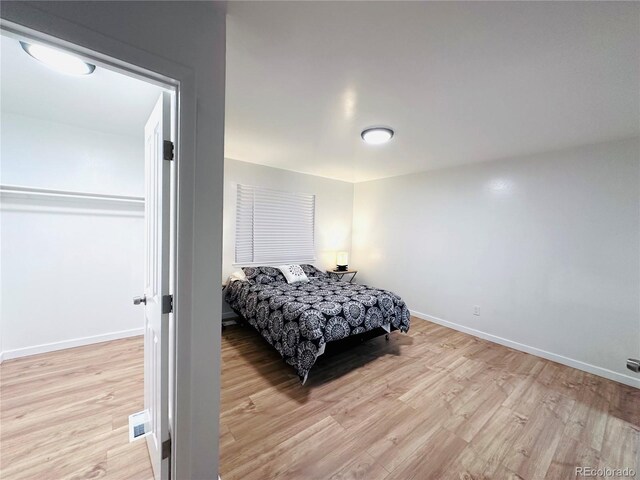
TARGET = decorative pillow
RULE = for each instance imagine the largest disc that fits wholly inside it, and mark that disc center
(263, 274)
(237, 276)
(311, 271)
(293, 273)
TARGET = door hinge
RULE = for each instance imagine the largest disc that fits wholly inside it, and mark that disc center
(167, 150)
(167, 303)
(166, 449)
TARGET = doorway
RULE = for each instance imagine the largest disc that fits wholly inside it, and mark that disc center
(85, 213)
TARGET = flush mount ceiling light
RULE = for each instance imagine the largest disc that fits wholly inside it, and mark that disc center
(376, 135)
(58, 60)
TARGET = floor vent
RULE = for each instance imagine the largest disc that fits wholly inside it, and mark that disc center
(139, 425)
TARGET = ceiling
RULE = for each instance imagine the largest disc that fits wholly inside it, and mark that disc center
(105, 100)
(459, 82)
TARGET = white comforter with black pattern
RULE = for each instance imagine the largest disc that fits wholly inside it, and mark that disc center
(299, 319)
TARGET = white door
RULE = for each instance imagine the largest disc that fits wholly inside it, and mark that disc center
(156, 298)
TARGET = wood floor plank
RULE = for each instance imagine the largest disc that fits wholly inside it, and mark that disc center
(362, 467)
(570, 454)
(396, 447)
(494, 442)
(533, 450)
(295, 449)
(124, 462)
(65, 414)
(433, 404)
(431, 459)
(621, 445)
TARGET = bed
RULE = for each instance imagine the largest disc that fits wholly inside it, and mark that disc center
(299, 319)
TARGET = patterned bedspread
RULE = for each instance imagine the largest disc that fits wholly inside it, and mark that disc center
(299, 319)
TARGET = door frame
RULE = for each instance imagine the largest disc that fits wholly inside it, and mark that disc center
(180, 81)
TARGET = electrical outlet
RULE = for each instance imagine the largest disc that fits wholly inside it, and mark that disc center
(476, 310)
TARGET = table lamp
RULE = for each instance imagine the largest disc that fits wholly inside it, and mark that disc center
(342, 261)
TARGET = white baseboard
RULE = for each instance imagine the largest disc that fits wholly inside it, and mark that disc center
(570, 362)
(75, 342)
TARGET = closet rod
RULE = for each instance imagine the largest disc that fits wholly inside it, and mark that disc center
(47, 192)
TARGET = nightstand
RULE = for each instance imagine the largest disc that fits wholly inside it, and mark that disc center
(339, 274)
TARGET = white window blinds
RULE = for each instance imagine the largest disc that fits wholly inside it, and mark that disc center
(274, 226)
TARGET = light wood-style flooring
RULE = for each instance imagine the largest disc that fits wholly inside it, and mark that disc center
(64, 415)
(433, 404)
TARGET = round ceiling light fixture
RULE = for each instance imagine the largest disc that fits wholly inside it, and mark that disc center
(58, 60)
(377, 135)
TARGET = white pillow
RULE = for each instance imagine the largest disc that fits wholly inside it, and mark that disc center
(237, 276)
(293, 273)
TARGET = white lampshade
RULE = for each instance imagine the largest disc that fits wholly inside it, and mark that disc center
(342, 258)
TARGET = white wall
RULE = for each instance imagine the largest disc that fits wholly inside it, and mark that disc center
(334, 210)
(69, 268)
(184, 41)
(40, 153)
(547, 246)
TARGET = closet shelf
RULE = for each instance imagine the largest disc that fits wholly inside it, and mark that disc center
(18, 190)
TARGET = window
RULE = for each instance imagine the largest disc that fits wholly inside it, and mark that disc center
(274, 226)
